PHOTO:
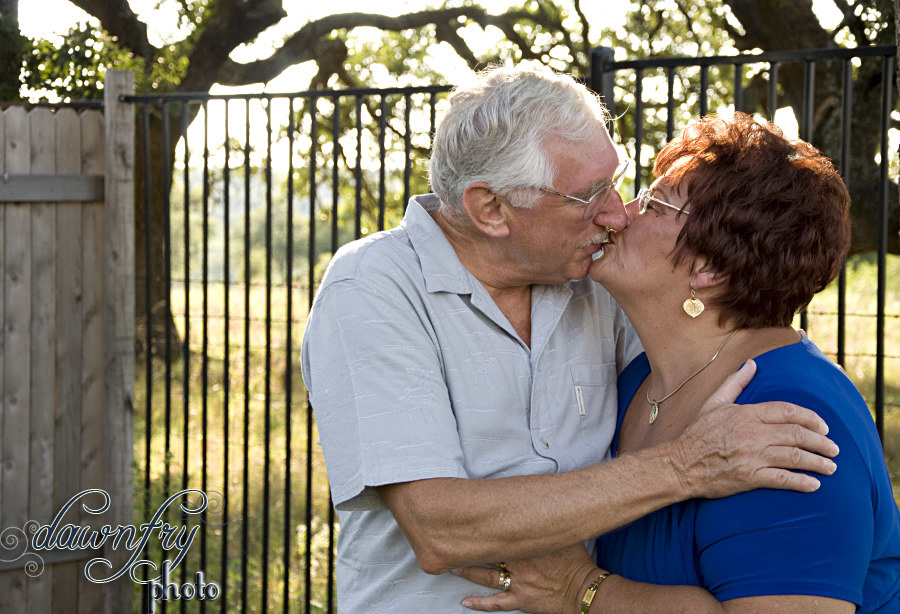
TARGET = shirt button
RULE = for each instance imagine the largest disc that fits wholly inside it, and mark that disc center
(545, 443)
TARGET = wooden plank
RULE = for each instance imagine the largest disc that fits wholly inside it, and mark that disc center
(2, 294)
(53, 556)
(93, 430)
(119, 313)
(6, 579)
(42, 129)
(93, 424)
(41, 187)
(17, 337)
(67, 442)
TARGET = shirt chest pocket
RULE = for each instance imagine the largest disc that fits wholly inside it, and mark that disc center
(594, 390)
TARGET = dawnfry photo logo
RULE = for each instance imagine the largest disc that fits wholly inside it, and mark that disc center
(26, 545)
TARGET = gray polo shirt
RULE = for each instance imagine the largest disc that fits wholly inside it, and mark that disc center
(413, 373)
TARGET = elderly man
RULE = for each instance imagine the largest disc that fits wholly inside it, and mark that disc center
(464, 384)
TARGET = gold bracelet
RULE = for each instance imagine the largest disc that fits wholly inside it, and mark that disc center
(591, 592)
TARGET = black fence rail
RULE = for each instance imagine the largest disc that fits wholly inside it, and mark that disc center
(259, 191)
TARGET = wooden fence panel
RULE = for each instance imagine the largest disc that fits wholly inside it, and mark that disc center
(44, 320)
(66, 371)
(93, 423)
(14, 472)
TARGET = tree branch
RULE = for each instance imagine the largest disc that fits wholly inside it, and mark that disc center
(311, 41)
(117, 18)
(852, 21)
(775, 24)
(234, 22)
(448, 34)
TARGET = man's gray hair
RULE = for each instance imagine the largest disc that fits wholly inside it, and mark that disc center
(496, 128)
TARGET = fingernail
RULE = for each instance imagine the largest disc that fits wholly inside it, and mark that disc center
(466, 603)
(456, 571)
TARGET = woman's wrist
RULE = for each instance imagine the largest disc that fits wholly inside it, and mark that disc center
(591, 592)
(580, 586)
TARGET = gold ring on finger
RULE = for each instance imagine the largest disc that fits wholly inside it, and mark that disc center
(505, 582)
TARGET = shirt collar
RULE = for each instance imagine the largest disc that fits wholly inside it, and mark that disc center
(441, 267)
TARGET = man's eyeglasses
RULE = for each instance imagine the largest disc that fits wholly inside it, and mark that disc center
(644, 199)
(613, 183)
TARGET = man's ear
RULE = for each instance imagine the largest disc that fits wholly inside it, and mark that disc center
(705, 276)
(486, 209)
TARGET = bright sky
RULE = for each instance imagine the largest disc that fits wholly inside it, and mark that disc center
(46, 18)
(43, 18)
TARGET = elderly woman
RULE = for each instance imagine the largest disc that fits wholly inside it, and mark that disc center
(737, 233)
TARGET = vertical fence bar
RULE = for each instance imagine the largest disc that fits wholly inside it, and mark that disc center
(204, 333)
(148, 333)
(670, 102)
(382, 155)
(806, 132)
(704, 87)
(167, 258)
(773, 91)
(245, 494)
(739, 87)
(335, 185)
(186, 341)
(289, 363)
(884, 184)
(603, 78)
(638, 127)
(432, 119)
(357, 217)
(334, 248)
(307, 558)
(226, 352)
(267, 403)
(407, 148)
(846, 131)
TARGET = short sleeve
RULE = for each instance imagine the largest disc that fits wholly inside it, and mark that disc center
(778, 542)
(376, 386)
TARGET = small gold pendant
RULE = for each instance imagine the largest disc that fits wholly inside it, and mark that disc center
(654, 412)
(693, 307)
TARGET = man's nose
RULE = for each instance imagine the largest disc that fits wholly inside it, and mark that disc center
(612, 212)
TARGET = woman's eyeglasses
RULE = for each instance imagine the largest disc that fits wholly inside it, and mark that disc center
(645, 197)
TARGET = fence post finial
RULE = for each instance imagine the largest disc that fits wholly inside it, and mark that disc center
(603, 79)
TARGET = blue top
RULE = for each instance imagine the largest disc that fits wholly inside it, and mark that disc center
(843, 541)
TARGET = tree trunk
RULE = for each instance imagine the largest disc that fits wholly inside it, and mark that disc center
(153, 183)
(12, 50)
(790, 24)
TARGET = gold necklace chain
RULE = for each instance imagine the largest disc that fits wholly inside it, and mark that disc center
(654, 405)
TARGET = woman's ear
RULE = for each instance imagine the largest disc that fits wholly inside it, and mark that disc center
(705, 276)
(486, 209)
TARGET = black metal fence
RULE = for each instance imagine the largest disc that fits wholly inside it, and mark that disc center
(264, 189)
(841, 101)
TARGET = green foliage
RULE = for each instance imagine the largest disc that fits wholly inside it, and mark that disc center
(690, 28)
(74, 69)
(400, 58)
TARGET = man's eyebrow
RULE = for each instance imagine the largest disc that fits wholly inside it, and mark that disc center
(600, 183)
